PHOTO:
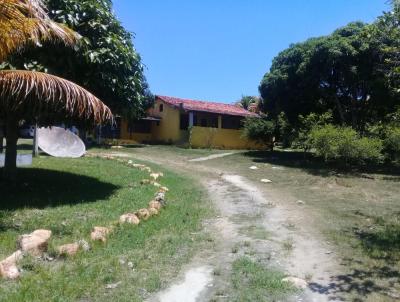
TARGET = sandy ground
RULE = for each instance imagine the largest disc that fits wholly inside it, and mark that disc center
(290, 244)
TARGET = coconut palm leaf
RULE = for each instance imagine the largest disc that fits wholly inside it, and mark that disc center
(26, 21)
(47, 98)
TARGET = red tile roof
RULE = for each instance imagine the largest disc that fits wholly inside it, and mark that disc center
(205, 106)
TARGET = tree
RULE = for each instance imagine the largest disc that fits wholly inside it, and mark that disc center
(246, 102)
(26, 22)
(104, 62)
(384, 35)
(338, 72)
(34, 95)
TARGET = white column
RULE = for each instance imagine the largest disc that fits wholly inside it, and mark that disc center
(191, 119)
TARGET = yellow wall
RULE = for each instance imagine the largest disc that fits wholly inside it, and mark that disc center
(202, 137)
(168, 130)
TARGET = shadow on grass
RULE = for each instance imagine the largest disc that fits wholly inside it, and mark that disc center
(40, 188)
(382, 277)
(316, 166)
(382, 243)
(360, 283)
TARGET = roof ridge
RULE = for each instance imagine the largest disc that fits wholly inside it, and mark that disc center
(194, 100)
(206, 106)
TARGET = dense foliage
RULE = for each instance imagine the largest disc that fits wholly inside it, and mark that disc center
(343, 143)
(335, 94)
(105, 62)
(259, 129)
(353, 72)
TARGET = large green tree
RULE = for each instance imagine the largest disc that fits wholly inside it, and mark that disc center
(351, 72)
(105, 62)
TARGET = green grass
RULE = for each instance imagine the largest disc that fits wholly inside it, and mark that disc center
(253, 282)
(69, 197)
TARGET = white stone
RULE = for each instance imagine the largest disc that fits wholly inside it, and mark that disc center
(130, 218)
(264, 180)
(8, 267)
(35, 243)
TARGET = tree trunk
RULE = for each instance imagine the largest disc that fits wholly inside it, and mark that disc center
(340, 110)
(10, 165)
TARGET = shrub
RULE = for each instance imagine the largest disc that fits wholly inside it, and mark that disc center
(369, 149)
(259, 129)
(344, 143)
(325, 141)
(307, 123)
(391, 143)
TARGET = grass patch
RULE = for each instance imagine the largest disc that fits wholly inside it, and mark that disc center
(253, 282)
(69, 197)
(382, 241)
(288, 245)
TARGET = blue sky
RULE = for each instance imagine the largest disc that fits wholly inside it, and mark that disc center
(219, 50)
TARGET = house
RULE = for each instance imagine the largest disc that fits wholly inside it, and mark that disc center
(199, 124)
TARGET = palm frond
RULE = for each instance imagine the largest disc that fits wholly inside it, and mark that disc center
(36, 95)
(26, 21)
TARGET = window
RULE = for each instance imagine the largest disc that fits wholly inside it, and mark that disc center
(231, 122)
(141, 126)
(214, 122)
(208, 120)
(161, 107)
(184, 122)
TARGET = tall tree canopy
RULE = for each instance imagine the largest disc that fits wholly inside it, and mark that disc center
(354, 72)
(105, 62)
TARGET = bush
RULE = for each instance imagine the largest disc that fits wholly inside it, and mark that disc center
(325, 141)
(344, 143)
(369, 149)
(259, 129)
(307, 123)
(391, 143)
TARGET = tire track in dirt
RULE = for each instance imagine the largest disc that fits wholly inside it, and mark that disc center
(290, 247)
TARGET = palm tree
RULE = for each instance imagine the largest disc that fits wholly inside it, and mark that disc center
(249, 103)
(27, 95)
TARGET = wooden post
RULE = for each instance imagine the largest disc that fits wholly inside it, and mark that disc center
(35, 151)
(10, 165)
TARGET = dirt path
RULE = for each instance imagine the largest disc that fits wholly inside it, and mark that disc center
(253, 220)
